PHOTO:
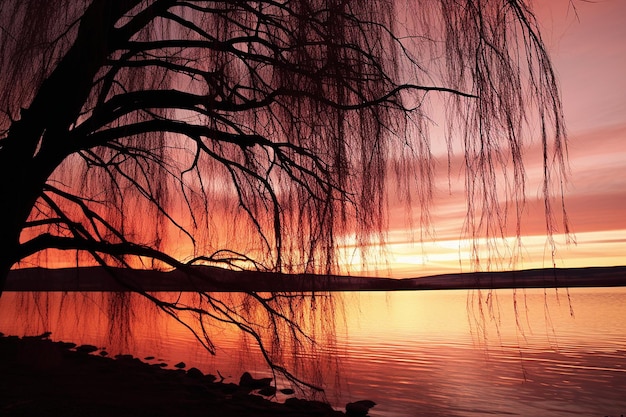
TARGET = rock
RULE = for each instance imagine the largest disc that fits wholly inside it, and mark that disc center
(229, 388)
(86, 348)
(246, 381)
(123, 357)
(104, 353)
(180, 365)
(267, 391)
(66, 345)
(309, 407)
(195, 373)
(359, 408)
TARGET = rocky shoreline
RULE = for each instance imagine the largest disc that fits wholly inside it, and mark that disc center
(46, 378)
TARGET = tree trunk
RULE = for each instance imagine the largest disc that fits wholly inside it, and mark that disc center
(37, 143)
(17, 189)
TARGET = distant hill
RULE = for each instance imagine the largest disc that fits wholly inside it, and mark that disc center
(206, 278)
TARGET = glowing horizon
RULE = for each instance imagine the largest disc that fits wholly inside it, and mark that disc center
(589, 55)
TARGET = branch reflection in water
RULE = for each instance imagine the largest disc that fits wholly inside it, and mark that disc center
(526, 352)
(293, 332)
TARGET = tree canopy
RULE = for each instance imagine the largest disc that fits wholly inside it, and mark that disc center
(259, 134)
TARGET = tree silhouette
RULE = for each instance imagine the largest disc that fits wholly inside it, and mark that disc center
(258, 135)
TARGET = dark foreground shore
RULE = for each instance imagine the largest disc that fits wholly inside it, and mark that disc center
(40, 377)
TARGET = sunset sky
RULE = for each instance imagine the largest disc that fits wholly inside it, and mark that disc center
(588, 48)
(587, 43)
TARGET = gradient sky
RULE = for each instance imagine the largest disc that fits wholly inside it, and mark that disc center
(588, 48)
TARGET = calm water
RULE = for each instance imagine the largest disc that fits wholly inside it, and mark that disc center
(443, 353)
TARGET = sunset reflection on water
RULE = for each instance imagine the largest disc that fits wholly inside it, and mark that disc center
(525, 352)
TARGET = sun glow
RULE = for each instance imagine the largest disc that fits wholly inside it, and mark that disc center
(413, 259)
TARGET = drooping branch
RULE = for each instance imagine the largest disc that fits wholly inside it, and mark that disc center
(264, 135)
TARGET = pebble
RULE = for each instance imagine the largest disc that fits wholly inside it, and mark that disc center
(359, 408)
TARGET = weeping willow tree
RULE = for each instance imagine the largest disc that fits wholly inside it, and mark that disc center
(258, 135)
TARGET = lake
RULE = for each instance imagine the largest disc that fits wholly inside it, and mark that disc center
(415, 353)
